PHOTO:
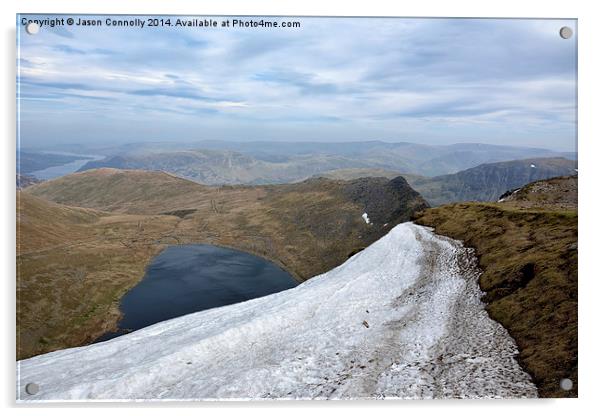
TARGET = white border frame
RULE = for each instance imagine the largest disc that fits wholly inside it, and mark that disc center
(590, 28)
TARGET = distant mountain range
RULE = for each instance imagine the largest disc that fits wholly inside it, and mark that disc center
(485, 182)
(255, 163)
(488, 181)
(225, 167)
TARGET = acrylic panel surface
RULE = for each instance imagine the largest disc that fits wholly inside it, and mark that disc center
(295, 208)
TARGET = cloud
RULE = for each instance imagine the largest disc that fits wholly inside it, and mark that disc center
(60, 31)
(304, 82)
(56, 84)
(171, 92)
(333, 79)
(68, 49)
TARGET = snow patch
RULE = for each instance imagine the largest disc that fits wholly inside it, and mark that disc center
(513, 192)
(426, 335)
(533, 166)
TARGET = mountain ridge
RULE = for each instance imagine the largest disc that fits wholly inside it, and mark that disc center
(487, 182)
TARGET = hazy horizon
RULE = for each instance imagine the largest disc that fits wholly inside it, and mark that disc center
(107, 144)
(429, 81)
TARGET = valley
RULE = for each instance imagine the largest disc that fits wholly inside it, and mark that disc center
(86, 238)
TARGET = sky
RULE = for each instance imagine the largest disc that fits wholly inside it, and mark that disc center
(434, 81)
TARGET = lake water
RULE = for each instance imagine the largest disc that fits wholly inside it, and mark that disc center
(191, 278)
(62, 170)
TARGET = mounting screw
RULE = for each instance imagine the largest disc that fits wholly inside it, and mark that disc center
(566, 32)
(566, 384)
(32, 388)
(32, 28)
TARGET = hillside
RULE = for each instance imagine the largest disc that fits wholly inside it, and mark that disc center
(73, 266)
(487, 182)
(23, 181)
(552, 194)
(306, 228)
(131, 191)
(356, 173)
(527, 248)
(401, 319)
(256, 163)
(50, 223)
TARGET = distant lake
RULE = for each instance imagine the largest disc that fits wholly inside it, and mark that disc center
(191, 278)
(62, 170)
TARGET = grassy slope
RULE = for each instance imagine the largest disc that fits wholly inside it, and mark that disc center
(529, 261)
(73, 265)
(70, 284)
(289, 224)
(122, 191)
